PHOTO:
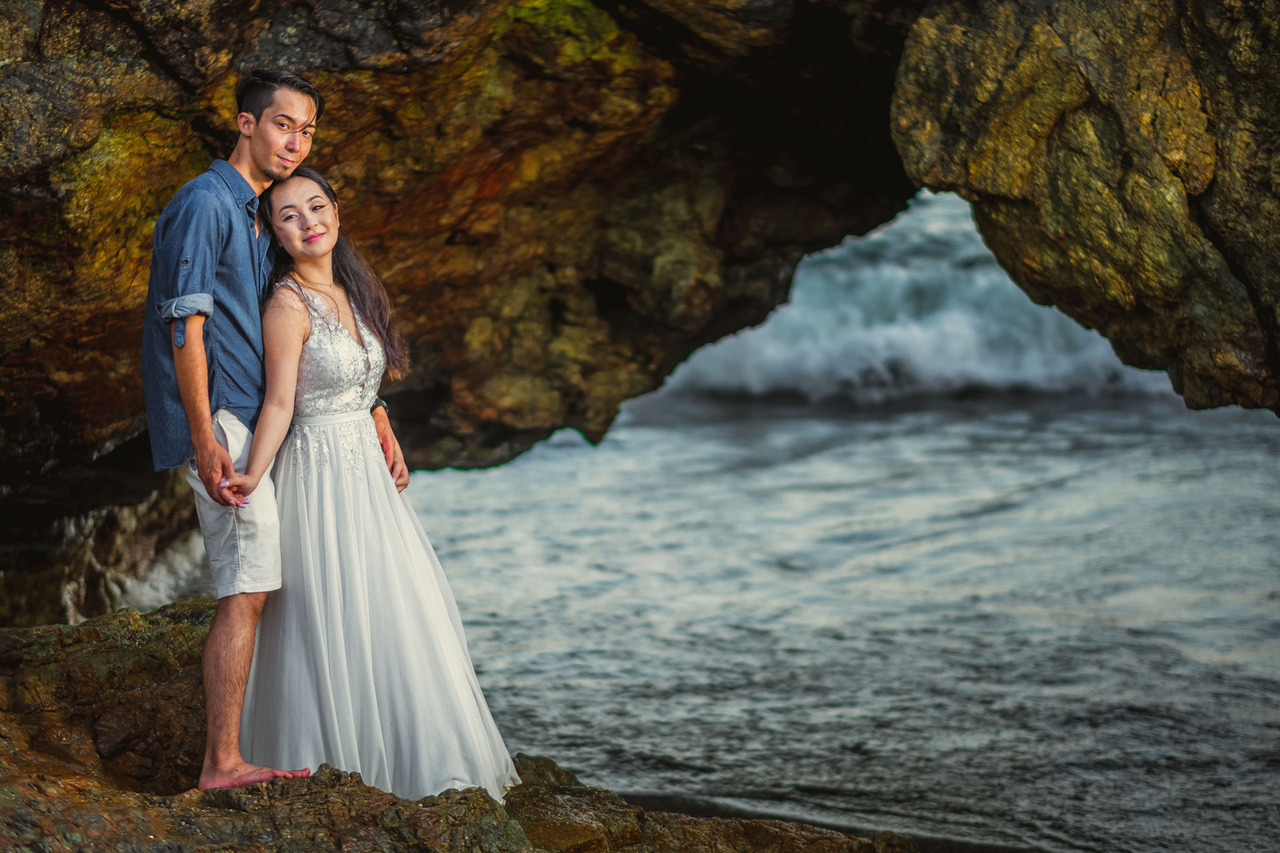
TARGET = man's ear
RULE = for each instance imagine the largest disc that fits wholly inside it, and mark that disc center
(246, 123)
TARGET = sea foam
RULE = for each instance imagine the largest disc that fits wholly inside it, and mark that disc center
(916, 307)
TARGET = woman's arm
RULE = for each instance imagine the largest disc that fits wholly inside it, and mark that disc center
(391, 448)
(285, 327)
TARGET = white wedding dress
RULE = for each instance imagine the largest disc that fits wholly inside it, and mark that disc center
(360, 659)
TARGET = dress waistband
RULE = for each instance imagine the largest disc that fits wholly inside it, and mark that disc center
(339, 418)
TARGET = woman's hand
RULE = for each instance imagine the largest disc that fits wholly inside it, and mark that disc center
(399, 470)
(240, 486)
(391, 448)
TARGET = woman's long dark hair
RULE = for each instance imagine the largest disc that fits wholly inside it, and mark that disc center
(365, 291)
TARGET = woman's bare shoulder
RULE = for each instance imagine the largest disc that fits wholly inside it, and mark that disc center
(288, 306)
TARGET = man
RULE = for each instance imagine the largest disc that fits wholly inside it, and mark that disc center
(204, 383)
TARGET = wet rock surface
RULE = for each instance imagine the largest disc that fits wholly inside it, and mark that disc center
(1121, 160)
(565, 199)
(102, 730)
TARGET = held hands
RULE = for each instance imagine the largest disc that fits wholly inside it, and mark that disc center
(240, 486)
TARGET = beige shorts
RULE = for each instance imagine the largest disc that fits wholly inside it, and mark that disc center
(243, 543)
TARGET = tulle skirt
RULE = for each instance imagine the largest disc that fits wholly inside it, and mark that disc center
(360, 659)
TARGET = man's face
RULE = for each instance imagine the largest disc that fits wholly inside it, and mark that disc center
(282, 137)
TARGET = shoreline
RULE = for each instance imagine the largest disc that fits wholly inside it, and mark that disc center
(694, 806)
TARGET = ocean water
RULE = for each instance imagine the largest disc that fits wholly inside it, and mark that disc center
(916, 554)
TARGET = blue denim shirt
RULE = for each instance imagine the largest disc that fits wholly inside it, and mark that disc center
(206, 259)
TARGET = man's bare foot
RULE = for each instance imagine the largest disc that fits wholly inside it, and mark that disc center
(244, 773)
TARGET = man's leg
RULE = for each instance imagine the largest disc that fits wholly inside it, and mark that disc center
(228, 654)
(244, 556)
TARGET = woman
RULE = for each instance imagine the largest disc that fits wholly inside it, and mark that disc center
(360, 658)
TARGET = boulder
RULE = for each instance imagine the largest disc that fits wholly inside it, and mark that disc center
(1121, 162)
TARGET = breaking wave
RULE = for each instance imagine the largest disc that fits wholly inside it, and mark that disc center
(917, 307)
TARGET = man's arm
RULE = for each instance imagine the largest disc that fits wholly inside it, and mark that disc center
(391, 448)
(213, 462)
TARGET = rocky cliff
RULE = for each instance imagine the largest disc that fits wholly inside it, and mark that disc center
(102, 730)
(564, 197)
(1123, 165)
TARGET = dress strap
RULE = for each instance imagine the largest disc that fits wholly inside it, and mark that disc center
(296, 288)
(313, 311)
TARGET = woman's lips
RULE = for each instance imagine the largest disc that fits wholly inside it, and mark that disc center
(312, 238)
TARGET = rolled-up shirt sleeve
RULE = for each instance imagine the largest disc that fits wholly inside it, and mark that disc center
(188, 259)
(185, 306)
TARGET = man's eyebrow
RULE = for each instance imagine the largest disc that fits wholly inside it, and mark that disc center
(311, 122)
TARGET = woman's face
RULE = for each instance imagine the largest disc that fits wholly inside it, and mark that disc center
(305, 221)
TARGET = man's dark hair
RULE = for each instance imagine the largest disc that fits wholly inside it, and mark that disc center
(257, 89)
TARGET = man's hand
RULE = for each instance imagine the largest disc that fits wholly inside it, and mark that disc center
(213, 464)
(391, 449)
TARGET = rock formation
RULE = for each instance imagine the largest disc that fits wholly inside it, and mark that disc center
(1122, 163)
(102, 731)
(564, 197)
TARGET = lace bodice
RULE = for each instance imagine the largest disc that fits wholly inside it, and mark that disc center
(336, 374)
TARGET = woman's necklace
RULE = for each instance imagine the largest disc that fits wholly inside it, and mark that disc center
(326, 292)
(315, 285)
